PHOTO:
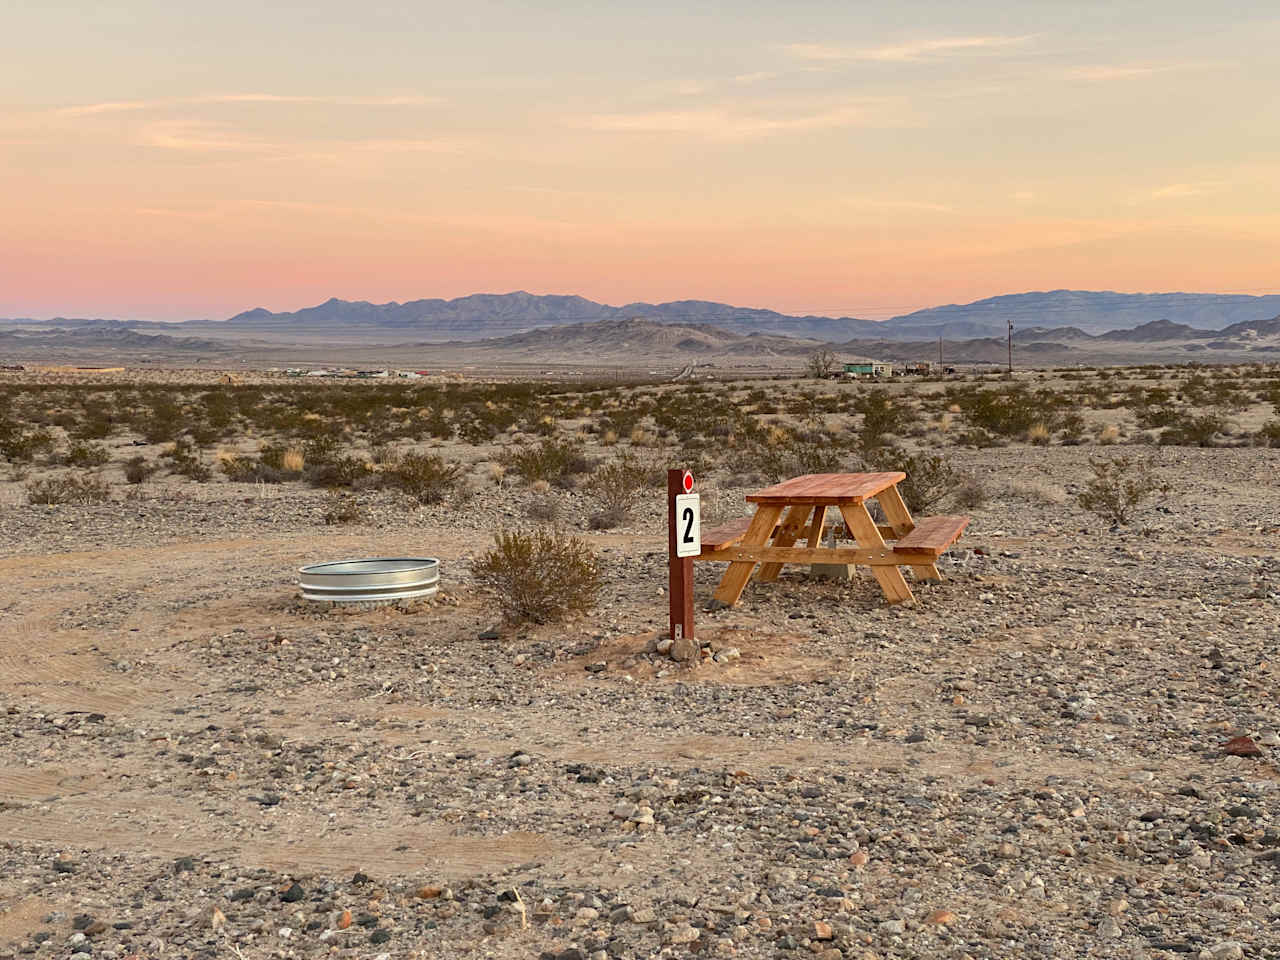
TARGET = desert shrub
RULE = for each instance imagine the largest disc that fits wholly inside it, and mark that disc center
(931, 478)
(619, 484)
(551, 460)
(249, 470)
(86, 455)
(1118, 488)
(540, 576)
(1038, 435)
(337, 472)
(69, 489)
(1010, 412)
(426, 477)
(22, 446)
(1191, 431)
(970, 494)
(187, 462)
(1269, 435)
(137, 469)
(544, 509)
(608, 518)
(881, 417)
(340, 509)
(1072, 426)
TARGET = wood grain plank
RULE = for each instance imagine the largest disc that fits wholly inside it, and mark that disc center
(788, 532)
(735, 578)
(864, 531)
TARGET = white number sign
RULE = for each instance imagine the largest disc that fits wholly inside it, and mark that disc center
(688, 525)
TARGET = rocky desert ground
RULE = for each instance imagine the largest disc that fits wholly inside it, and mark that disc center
(1067, 749)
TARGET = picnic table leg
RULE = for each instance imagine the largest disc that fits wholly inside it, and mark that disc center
(735, 578)
(817, 527)
(788, 533)
(899, 517)
(868, 537)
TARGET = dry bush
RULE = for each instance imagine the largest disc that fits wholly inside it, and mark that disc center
(609, 518)
(86, 455)
(425, 477)
(931, 478)
(1119, 487)
(544, 509)
(292, 461)
(540, 576)
(1038, 435)
(137, 469)
(1189, 431)
(340, 509)
(1109, 434)
(69, 489)
(1269, 435)
(555, 461)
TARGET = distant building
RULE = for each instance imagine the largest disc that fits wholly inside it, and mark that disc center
(921, 369)
(868, 368)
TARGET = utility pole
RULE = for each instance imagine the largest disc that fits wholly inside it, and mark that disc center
(1010, 348)
(939, 350)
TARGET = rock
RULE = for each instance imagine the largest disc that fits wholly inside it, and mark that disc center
(428, 893)
(1108, 929)
(682, 934)
(685, 650)
(598, 667)
(490, 634)
(727, 655)
(819, 930)
(1241, 747)
(940, 917)
(663, 646)
(644, 915)
(893, 928)
(1224, 950)
(344, 921)
(381, 935)
(217, 919)
(294, 894)
(858, 859)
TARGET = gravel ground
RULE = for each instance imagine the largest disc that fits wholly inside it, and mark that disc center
(1041, 757)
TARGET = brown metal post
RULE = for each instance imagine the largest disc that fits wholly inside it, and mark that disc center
(680, 569)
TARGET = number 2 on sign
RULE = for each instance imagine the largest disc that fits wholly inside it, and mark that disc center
(689, 541)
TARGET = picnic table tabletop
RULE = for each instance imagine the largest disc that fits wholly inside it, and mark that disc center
(827, 489)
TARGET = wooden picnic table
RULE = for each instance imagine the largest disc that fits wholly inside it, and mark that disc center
(797, 509)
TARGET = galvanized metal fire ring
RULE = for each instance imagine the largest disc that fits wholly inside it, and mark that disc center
(381, 579)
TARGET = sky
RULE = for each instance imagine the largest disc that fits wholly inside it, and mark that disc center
(173, 161)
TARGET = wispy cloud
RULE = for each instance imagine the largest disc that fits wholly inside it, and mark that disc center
(124, 106)
(914, 51)
(745, 122)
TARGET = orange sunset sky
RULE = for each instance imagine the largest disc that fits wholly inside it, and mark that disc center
(162, 161)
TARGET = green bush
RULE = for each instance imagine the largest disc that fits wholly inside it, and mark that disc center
(540, 576)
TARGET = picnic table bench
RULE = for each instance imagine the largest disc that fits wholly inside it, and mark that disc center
(797, 509)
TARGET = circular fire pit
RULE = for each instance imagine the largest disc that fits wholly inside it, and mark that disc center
(385, 579)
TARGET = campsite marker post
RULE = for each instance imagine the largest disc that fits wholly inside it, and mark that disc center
(684, 542)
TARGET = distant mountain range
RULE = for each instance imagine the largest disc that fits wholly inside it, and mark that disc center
(1059, 316)
(484, 316)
